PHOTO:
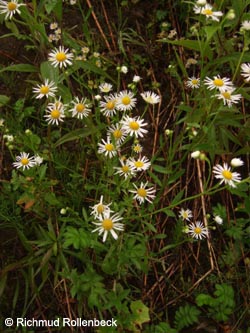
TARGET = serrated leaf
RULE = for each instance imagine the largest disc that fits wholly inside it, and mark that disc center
(185, 316)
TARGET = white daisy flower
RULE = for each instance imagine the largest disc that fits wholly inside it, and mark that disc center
(245, 71)
(38, 160)
(207, 10)
(108, 107)
(108, 224)
(141, 164)
(124, 69)
(55, 113)
(143, 193)
(236, 162)
(57, 104)
(10, 8)
(150, 97)
(218, 219)
(47, 89)
(223, 84)
(193, 82)
(100, 208)
(226, 175)
(195, 154)
(85, 50)
(201, 3)
(60, 57)
(245, 25)
(136, 78)
(125, 169)
(105, 87)
(197, 230)
(8, 137)
(107, 148)
(53, 25)
(137, 148)
(24, 161)
(81, 108)
(228, 97)
(117, 133)
(134, 126)
(185, 214)
(126, 101)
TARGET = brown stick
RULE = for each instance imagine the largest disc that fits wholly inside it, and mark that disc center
(98, 25)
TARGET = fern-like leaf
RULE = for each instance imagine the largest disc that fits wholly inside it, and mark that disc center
(185, 316)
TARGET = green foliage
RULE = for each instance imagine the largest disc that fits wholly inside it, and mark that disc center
(79, 239)
(185, 316)
(87, 285)
(222, 305)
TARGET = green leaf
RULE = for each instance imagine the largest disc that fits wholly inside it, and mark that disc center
(74, 135)
(4, 100)
(141, 313)
(177, 198)
(160, 169)
(51, 199)
(49, 72)
(20, 68)
(194, 45)
(210, 31)
(185, 316)
(90, 67)
(168, 212)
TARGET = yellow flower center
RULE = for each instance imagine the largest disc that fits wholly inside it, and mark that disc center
(125, 168)
(109, 147)
(142, 192)
(134, 125)
(207, 12)
(100, 209)
(11, 6)
(110, 105)
(24, 161)
(218, 82)
(126, 100)
(197, 230)
(107, 224)
(80, 107)
(185, 215)
(138, 164)
(61, 56)
(137, 148)
(194, 82)
(226, 95)
(227, 174)
(55, 114)
(44, 90)
(117, 134)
